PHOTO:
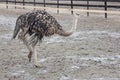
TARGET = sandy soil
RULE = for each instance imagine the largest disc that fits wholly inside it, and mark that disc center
(91, 53)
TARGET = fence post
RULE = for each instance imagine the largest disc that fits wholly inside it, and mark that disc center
(23, 4)
(105, 8)
(7, 4)
(34, 4)
(15, 4)
(87, 7)
(44, 4)
(58, 6)
(72, 6)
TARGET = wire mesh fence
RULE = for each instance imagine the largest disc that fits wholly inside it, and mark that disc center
(71, 4)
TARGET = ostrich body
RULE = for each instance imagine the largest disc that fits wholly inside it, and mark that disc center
(37, 24)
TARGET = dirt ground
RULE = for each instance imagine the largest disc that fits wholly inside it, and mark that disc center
(91, 53)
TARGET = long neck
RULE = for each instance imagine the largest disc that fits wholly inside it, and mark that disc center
(74, 26)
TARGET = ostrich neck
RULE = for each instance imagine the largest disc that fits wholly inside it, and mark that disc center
(74, 26)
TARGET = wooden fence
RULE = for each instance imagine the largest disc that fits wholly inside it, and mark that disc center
(69, 3)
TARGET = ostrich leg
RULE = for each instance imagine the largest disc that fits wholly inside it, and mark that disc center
(31, 47)
(32, 42)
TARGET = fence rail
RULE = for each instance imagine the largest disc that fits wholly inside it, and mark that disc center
(69, 3)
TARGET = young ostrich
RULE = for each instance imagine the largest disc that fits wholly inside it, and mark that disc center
(38, 24)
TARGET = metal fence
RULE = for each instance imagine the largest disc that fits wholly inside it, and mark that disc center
(69, 3)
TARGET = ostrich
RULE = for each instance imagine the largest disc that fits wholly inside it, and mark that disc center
(37, 24)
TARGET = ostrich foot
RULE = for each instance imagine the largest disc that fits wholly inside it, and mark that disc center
(38, 65)
(29, 56)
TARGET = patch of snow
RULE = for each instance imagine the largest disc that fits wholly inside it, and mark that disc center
(54, 39)
(105, 79)
(105, 60)
(7, 21)
(18, 72)
(75, 67)
(95, 32)
(43, 60)
(6, 36)
(114, 35)
(64, 78)
(75, 34)
(42, 71)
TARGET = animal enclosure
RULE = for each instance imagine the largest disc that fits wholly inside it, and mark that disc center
(71, 4)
